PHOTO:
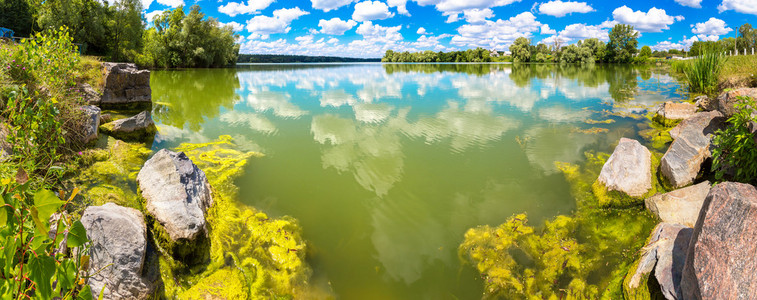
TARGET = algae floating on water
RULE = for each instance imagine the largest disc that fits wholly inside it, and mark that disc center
(580, 256)
(261, 256)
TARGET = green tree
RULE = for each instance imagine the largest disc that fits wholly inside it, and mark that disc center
(623, 42)
(521, 50)
(747, 37)
(645, 52)
(189, 40)
(125, 26)
(597, 48)
(17, 15)
(86, 20)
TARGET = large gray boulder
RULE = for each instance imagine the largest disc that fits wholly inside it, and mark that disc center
(117, 253)
(177, 194)
(721, 263)
(681, 206)
(726, 100)
(629, 169)
(663, 257)
(691, 146)
(126, 87)
(138, 127)
(676, 111)
(91, 124)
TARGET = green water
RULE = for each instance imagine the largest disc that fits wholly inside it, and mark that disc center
(386, 166)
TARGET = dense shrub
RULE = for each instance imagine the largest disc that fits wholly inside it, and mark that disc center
(735, 152)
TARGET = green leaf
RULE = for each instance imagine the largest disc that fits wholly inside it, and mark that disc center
(41, 268)
(85, 293)
(47, 203)
(77, 235)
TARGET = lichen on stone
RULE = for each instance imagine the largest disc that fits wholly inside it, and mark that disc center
(266, 254)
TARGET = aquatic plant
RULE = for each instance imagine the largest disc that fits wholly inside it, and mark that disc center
(703, 73)
(252, 256)
(109, 175)
(584, 255)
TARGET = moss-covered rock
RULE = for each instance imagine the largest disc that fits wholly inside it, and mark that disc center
(136, 128)
(606, 198)
(268, 254)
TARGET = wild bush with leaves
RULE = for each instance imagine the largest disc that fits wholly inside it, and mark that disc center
(41, 103)
(35, 262)
(735, 152)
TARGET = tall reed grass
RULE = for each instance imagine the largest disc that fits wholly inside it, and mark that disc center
(703, 73)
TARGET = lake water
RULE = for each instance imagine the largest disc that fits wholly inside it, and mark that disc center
(386, 166)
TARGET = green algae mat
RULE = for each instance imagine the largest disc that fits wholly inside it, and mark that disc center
(403, 181)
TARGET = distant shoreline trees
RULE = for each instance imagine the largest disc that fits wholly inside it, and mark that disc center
(470, 55)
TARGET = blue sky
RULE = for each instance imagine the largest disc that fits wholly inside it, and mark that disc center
(367, 28)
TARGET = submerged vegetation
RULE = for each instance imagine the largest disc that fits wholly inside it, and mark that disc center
(252, 256)
(581, 256)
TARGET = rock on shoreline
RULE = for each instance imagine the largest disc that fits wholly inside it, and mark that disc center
(629, 169)
(691, 146)
(126, 87)
(117, 254)
(177, 194)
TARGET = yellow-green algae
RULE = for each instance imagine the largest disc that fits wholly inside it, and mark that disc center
(582, 256)
(252, 256)
(109, 175)
(657, 132)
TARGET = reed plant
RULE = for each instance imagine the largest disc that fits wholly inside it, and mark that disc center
(703, 73)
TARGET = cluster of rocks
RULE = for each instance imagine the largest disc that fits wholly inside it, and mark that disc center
(177, 196)
(123, 260)
(126, 89)
(704, 246)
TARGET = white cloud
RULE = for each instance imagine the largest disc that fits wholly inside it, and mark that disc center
(278, 23)
(234, 25)
(655, 20)
(546, 30)
(477, 15)
(378, 33)
(371, 10)
(683, 44)
(452, 18)
(457, 6)
(149, 16)
(327, 5)
(333, 41)
(146, 4)
(172, 3)
(421, 30)
(559, 8)
(239, 8)
(710, 30)
(742, 6)
(497, 34)
(583, 31)
(690, 3)
(336, 26)
(400, 5)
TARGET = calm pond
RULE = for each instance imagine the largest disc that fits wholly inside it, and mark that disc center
(387, 165)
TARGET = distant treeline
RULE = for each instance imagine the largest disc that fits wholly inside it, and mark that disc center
(274, 58)
(470, 55)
